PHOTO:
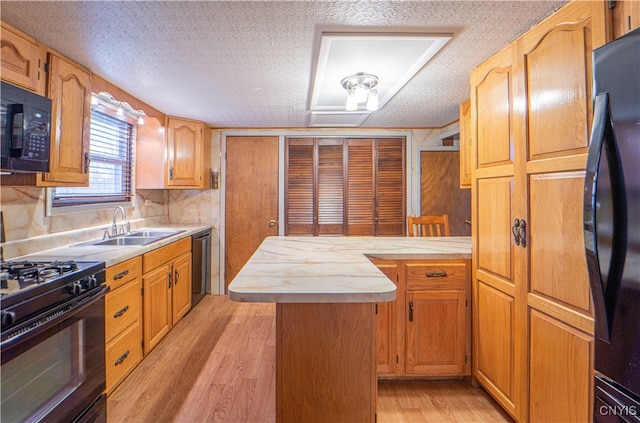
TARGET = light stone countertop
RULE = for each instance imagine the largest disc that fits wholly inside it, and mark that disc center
(333, 269)
(113, 254)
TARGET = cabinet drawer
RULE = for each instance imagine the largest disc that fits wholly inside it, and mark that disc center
(122, 355)
(121, 273)
(161, 255)
(122, 308)
(445, 275)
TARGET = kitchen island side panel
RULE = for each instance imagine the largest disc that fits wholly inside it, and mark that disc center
(325, 362)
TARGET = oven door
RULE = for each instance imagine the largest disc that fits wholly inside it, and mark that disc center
(56, 370)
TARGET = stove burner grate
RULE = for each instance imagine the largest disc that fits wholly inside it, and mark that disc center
(27, 273)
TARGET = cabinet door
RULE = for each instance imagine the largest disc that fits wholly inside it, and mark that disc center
(436, 332)
(386, 320)
(390, 193)
(157, 305)
(330, 187)
(70, 94)
(560, 371)
(497, 347)
(181, 289)
(22, 60)
(556, 61)
(184, 153)
(299, 187)
(150, 157)
(360, 188)
(466, 147)
(626, 17)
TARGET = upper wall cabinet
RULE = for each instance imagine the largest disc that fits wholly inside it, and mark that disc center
(70, 94)
(188, 154)
(626, 17)
(22, 60)
(150, 147)
(68, 85)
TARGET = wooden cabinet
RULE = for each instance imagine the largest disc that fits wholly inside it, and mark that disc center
(188, 154)
(531, 114)
(344, 186)
(386, 324)
(123, 320)
(181, 290)
(426, 330)
(68, 85)
(150, 154)
(70, 93)
(23, 60)
(437, 318)
(167, 289)
(498, 348)
(466, 145)
(626, 17)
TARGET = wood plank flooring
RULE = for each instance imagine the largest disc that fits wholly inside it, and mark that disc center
(218, 365)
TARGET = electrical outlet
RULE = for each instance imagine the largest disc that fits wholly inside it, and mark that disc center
(148, 202)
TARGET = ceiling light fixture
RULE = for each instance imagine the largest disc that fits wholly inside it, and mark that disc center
(361, 88)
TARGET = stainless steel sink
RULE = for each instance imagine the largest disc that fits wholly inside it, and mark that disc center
(126, 240)
(152, 233)
(141, 237)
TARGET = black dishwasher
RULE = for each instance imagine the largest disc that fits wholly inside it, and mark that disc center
(201, 265)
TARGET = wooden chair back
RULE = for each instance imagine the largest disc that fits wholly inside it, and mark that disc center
(429, 225)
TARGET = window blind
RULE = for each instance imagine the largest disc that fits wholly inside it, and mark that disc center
(110, 169)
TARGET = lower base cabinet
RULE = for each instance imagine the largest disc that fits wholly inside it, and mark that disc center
(123, 320)
(425, 331)
(147, 296)
(166, 283)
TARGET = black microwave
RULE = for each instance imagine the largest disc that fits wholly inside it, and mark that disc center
(26, 130)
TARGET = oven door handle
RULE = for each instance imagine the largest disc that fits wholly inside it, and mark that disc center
(51, 318)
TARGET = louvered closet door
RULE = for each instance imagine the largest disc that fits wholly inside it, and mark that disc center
(330, 186)
(360, 187)
(299, 189)
(389, 198)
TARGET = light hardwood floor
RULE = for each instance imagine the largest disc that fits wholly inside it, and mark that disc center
(217, 365)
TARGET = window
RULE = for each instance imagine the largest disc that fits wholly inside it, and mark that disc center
(110, 169)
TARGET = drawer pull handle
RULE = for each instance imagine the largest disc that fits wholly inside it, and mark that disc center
(120, 312)
(436, 274)
(175, 279)
(121, 275)
(411, 311)
(122, 358)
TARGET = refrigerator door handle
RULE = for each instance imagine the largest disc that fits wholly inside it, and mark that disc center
(604, 286)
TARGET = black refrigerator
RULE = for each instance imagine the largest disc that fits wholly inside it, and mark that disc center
(612, 228)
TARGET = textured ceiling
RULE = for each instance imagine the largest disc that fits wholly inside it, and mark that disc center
(249, 64)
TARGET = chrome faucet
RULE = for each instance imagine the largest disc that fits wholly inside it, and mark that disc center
(114, 227)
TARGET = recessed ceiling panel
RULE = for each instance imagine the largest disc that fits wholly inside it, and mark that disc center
(393, 58)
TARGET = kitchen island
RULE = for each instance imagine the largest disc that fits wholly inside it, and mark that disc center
(325, 290)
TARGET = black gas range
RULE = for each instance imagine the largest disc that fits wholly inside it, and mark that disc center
(52, 316)
(28, 288)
